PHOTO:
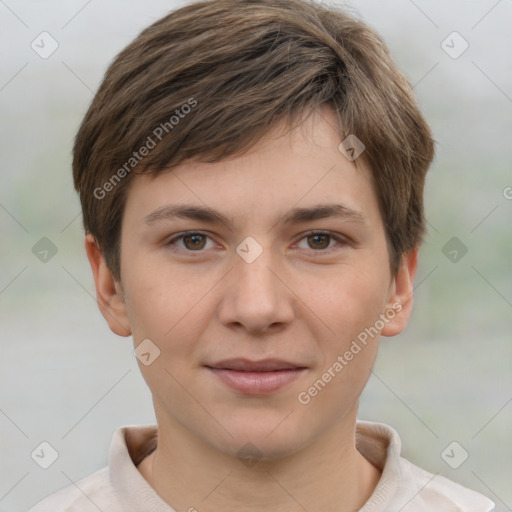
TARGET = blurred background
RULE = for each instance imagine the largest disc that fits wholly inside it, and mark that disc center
(68, 381)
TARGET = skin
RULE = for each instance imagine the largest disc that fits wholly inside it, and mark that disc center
(304, 299)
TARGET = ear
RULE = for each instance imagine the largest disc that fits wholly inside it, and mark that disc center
(401, 295)
(109, 293)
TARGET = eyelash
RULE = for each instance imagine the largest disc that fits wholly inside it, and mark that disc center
(341, 241)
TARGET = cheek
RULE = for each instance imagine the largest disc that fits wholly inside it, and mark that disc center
(162, 300)
(351, 307)
(350, 301)
(172, 311)
(173, 321)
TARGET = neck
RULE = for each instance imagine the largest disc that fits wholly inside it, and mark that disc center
(328, 475)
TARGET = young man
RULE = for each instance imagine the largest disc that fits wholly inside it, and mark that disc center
(251, 176)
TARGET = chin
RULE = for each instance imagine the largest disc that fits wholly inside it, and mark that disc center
(263, 441)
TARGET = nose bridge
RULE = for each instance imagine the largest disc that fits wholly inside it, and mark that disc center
(253, 273)
(256, 276)
(255, 297)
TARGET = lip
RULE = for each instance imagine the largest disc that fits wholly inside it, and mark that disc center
(247, 365)
(256, 377)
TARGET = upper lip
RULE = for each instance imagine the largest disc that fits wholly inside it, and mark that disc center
(246, 365)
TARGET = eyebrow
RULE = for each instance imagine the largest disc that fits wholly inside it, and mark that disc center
(294, 216)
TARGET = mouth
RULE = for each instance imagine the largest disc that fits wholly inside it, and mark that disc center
(256, 377)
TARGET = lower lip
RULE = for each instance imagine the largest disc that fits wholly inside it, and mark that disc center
(253, 383)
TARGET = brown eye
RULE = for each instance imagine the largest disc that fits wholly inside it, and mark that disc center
(322, 242)
(319, 241)
(190, 242)
(194, 242)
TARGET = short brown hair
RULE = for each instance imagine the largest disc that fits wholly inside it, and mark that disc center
(234, 68)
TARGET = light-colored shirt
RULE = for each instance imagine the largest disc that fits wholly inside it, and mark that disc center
(404, 487)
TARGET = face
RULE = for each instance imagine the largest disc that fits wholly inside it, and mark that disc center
(263, 309)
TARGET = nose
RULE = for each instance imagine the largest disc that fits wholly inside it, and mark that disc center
(256, 295)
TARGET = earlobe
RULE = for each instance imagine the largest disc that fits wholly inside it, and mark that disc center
(109, 293)
(399, 306)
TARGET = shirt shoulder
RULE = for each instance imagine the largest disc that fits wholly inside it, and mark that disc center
(421, 491)
(405, 487)
(90, 494)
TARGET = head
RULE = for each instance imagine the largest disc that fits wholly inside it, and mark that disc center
(238, 111)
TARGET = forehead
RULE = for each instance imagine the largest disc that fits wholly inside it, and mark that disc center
(296, 168)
